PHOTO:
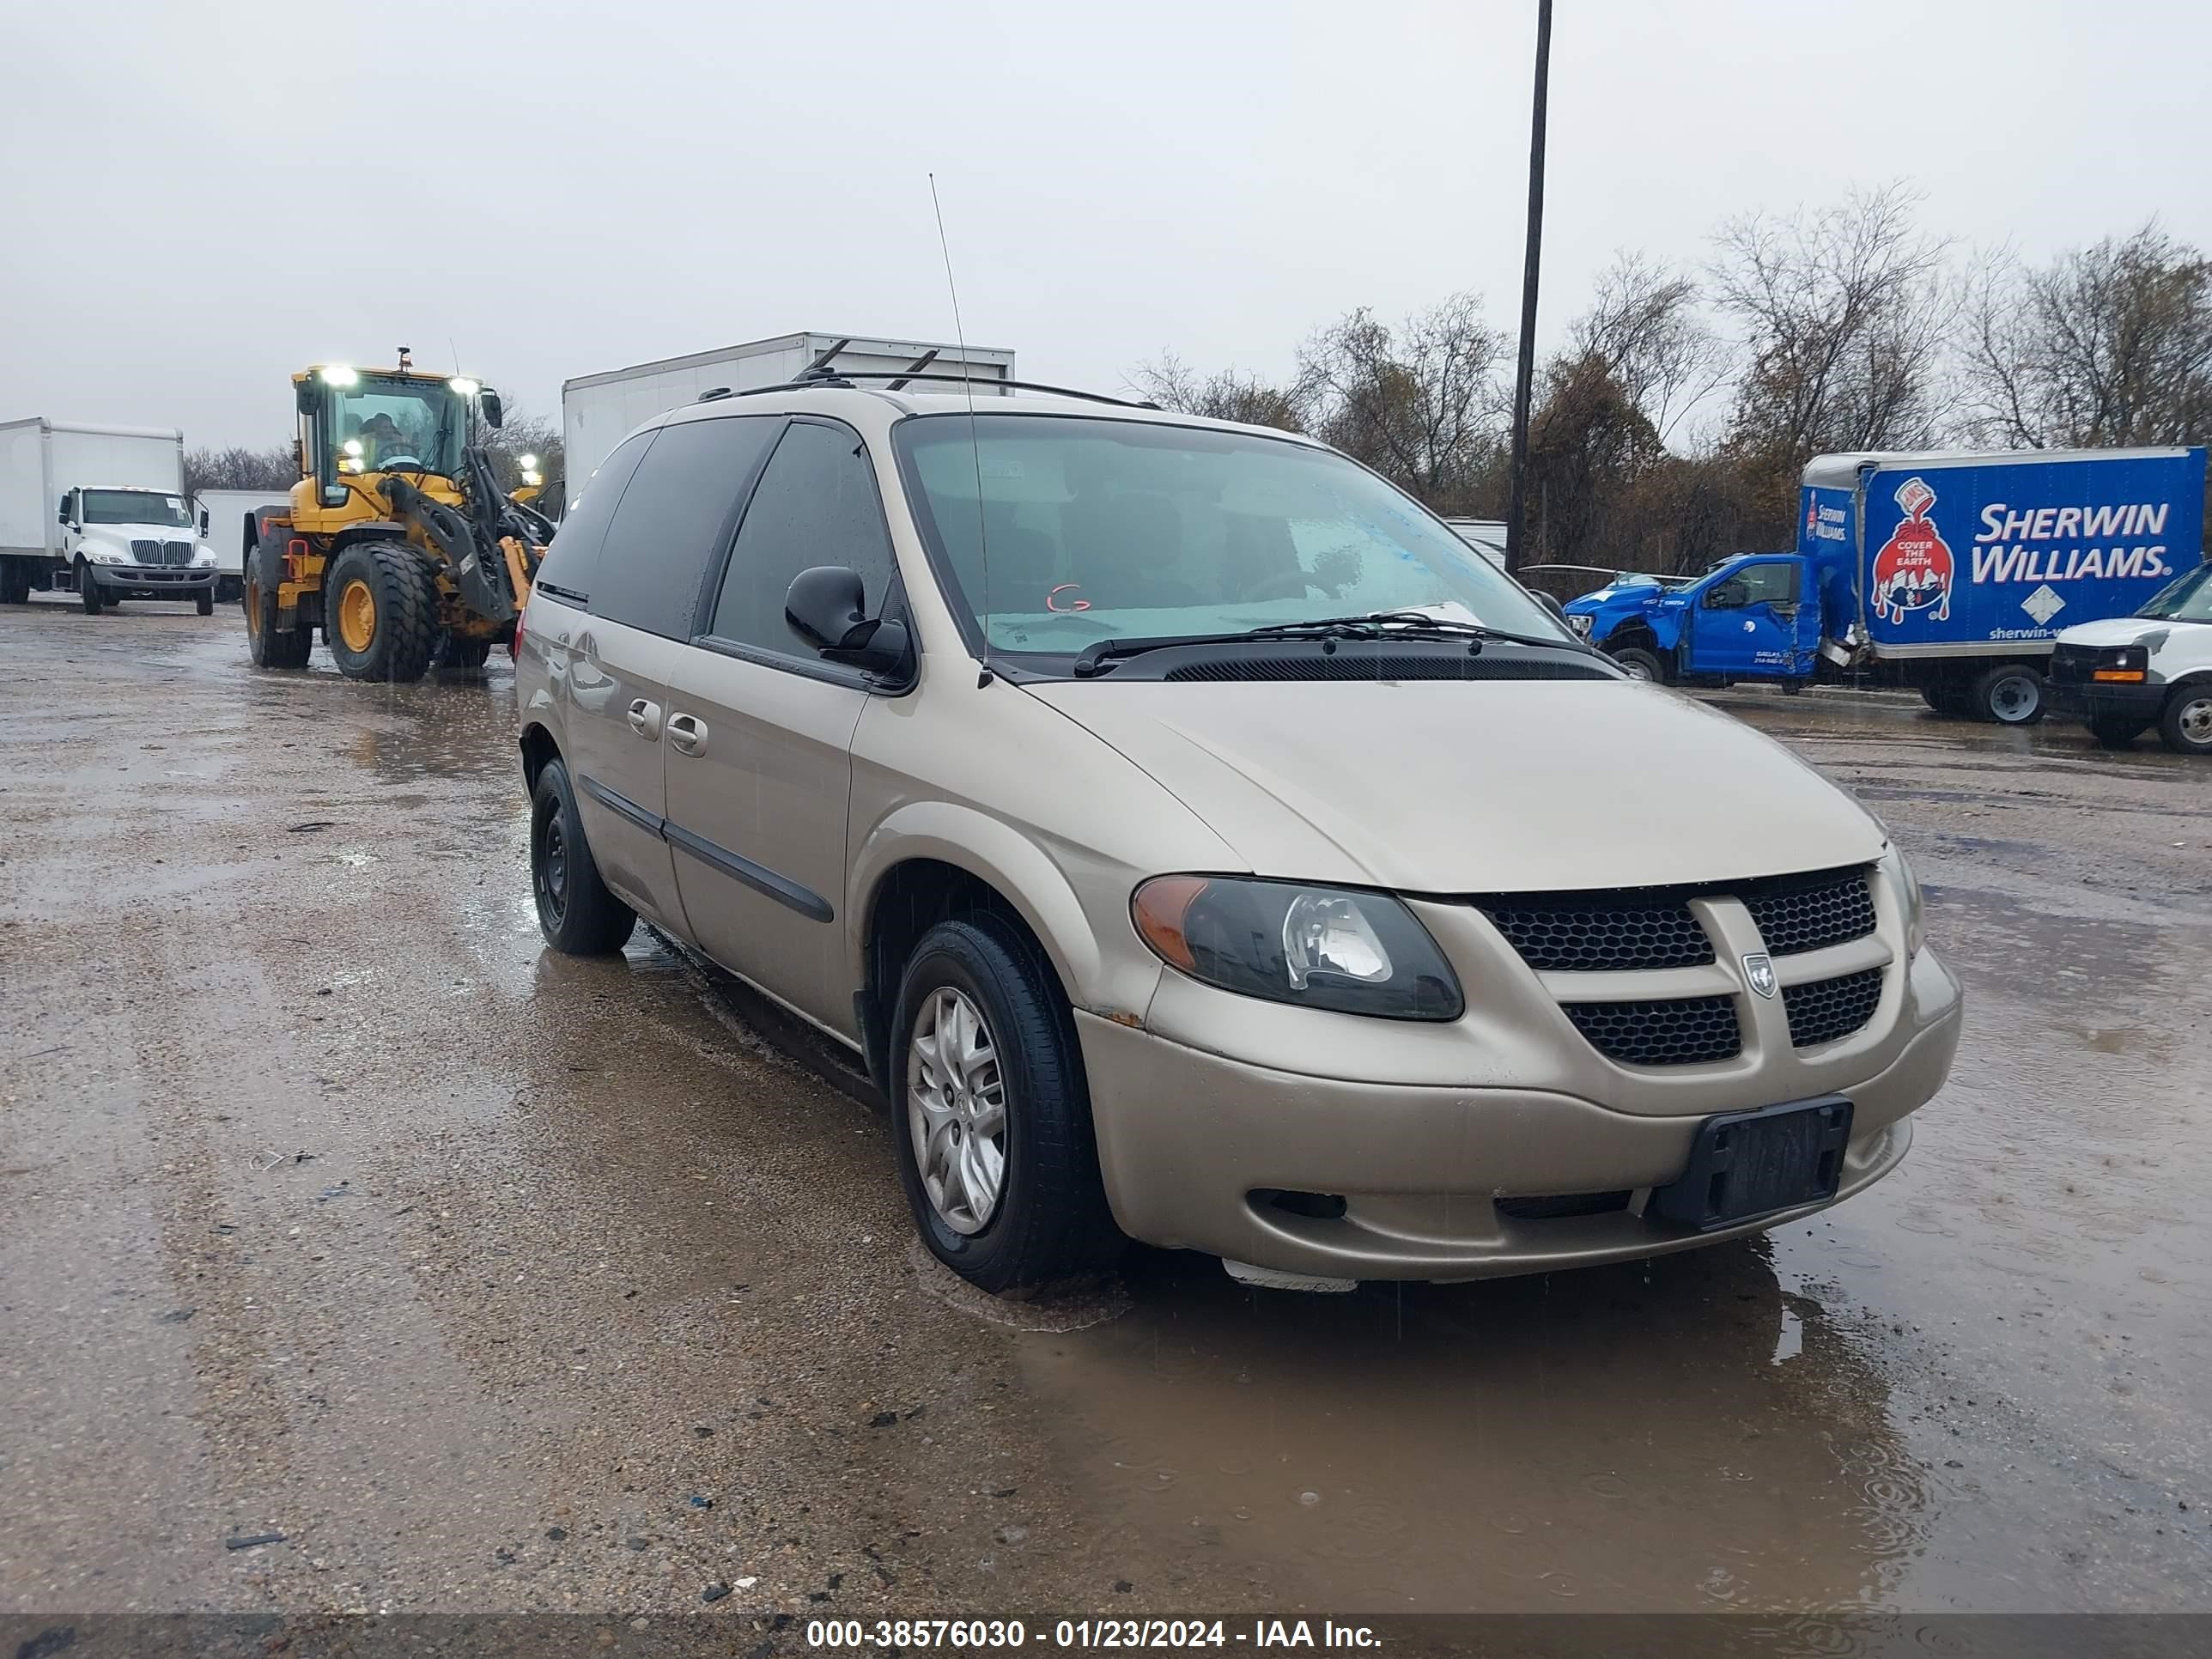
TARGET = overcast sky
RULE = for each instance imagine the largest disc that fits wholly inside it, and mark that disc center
(199, 198)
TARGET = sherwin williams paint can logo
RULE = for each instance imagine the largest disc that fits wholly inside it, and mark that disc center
(1914, 569)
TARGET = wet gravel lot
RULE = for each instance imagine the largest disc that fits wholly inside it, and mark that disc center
(341, 1213)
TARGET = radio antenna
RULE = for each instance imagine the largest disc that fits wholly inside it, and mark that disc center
(975, 445)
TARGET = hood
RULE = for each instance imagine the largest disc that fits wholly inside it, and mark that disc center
(1448, 787)
(124, 534)
(2114, 630)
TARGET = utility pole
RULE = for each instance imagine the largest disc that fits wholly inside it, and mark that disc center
(1525, 378)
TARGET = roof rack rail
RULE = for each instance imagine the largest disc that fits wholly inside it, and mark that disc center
(815, 379)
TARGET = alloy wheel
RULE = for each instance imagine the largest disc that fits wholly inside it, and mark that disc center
(957, 1111)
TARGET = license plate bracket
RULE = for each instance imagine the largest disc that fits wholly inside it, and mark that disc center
(1744, 1165)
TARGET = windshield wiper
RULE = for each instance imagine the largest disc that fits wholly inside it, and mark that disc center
(1097, 657)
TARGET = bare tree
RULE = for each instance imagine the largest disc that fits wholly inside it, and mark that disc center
(1225, 395)
(1844, 314)
(2107, 344)
(1645, 326)
(524, 435)
(238, 468)
(1422, 403)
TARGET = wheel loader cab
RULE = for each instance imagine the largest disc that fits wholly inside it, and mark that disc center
(397, 545)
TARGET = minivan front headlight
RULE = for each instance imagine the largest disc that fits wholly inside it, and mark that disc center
(1319, 947)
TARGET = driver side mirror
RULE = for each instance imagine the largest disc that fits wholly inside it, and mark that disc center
(493, 411)
(827, 607)
(304, 395)
(203, 521)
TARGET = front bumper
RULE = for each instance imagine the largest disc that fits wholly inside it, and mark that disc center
(2105, 700)
(154, 581)
(1192, 1145)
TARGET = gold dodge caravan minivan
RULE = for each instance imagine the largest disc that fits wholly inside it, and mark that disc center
(1200, 843)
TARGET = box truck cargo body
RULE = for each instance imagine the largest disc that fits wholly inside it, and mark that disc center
(106, 502)
(597, 411)
(230, 524)
(1951, 573)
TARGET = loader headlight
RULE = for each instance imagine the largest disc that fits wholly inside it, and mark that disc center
(466, 386)
(339, 374)
(1321, 947)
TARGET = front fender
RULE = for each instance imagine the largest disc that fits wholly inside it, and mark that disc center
(1118, 984)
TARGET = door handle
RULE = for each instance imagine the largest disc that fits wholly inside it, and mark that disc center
(645, 718)
(686, 735)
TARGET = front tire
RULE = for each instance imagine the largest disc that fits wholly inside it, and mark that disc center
(2185, 724)
(205, 602)
(87, 589)
(381, 603)
(2011, 694)
(577, 913)
(267, 644)
(1641, 665)
(2115, 733)
(995, 1147)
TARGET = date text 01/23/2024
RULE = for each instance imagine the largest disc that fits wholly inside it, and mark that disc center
(957, 1634)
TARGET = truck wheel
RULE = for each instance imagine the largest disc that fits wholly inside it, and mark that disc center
(381, 603)
(992, 1116)
(205, 602)
(14, 582)
(88, 590)
(2113, 731)
(579, 916)
(460, 656)
(2185, 726)
(1640, 664)
(270, 645)
(2011, 694)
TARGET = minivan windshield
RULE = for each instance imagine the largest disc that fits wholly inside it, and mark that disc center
(1058, 531)
(2186, 599)
(156, 507)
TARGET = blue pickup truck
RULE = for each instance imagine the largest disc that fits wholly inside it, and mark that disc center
(1948, 573)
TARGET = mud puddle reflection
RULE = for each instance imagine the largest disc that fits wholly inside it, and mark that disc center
(1686, 1436)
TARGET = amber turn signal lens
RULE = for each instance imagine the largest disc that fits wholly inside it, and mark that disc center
(2133, 674)
(1158, 909)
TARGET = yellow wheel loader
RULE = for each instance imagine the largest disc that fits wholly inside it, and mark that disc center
(397, 542)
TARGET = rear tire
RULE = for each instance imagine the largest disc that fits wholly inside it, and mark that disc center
(270, 645)
(14, 582)
(380, 611)
(1641, 665)
(87, 589)
(1019, 1067)
(2011, 694)
(2185, 724)
(2112, 733)
(577, 913)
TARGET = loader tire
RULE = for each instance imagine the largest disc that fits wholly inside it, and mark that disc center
(270, 645)
(459, 656)
(381, 610)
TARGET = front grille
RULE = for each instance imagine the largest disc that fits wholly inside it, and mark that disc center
(2070, 664)
(1680, 1031)
(1558, 1206)
(1567, 933)
(1798, 914)
(1343, 665)
(146, 552)
(1830, 1008)
(159, 554)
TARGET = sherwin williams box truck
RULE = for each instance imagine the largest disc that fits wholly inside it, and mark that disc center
(1948, 573)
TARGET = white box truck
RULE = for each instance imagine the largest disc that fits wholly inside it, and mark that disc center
(229, 522)
(597, 411)
(99, 511)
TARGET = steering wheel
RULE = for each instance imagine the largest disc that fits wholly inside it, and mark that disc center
(1284, 585)
(391, 463)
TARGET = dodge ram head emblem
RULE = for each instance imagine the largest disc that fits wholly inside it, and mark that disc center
(1758, 971)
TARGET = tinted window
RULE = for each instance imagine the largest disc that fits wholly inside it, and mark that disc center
(573, 556)
(817, 504)
(672, 520)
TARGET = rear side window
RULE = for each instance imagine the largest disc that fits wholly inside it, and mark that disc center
(817, 504)
(572, 559)
(672, 521)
